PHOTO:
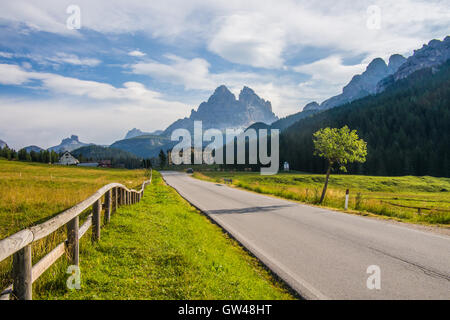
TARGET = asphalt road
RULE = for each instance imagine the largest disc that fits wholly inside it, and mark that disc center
(323, 254)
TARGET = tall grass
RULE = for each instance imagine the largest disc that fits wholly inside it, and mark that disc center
(367, 194)
(31, 193)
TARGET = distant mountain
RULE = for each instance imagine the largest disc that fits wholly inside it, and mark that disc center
(377, 78)
(69, 144)
(136, 133)
(33, 148)
(366, 83)
(429, 56)
(2, 144)
(312, 106)
(223, 110)
(146, 146)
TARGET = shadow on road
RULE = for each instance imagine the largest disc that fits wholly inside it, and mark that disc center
(248, 209)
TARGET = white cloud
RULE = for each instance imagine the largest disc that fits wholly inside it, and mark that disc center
(6, 55)
(61, 58)
(261, 34)
(251, 39)
(136, 53)
(101, 122)
(331, 70)
(57, 84)
(74, 100)
(13, 75)
(192, 74)
(257, 33)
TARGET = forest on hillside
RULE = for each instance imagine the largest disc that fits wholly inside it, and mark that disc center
(407, 129)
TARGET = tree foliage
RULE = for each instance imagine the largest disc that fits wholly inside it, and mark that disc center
(339, 146)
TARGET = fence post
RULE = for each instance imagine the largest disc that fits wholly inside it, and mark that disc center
(96, 211)
(73, 243)
(22, 265)
(116, 194)
(346, 198)
(107, 207)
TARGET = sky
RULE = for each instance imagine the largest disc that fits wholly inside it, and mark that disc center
(100, 68)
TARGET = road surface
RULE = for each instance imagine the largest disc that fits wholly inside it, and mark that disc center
(323, 254)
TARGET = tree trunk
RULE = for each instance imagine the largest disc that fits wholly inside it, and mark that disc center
(324, 191)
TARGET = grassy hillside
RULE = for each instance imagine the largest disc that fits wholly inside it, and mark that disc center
(368, 194)
(162, 248)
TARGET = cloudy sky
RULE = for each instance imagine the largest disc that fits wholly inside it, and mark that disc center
(144, 64)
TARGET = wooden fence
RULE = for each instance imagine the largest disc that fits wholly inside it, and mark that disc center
(419, 209)
(19, 244)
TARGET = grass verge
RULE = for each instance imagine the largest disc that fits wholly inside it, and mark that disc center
(368, 194)
(163, 248)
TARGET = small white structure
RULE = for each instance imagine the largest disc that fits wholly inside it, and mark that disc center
(286, 166)
(67, 159)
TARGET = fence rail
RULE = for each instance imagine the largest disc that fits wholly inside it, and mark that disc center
(19, 244)
(419, 209)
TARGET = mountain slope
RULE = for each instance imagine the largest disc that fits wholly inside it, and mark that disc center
(429, 56)
(407, 128)
(33, 148)
(144, 146)
(366, 83)
(2, 144)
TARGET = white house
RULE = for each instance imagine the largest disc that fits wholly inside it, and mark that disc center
(67, 159)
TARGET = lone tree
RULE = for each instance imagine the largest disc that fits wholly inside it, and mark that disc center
(339, 147)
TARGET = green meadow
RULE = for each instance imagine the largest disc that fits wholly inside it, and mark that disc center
(369, 195)
(160, 248)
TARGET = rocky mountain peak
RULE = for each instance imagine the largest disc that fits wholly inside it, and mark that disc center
(432, 55)
(312, 106)
(69, 144)
(365, 84)
(222, 94)
(249, 97)
(395, 61)
(246, 92)
(377, 66)
(223, 110)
